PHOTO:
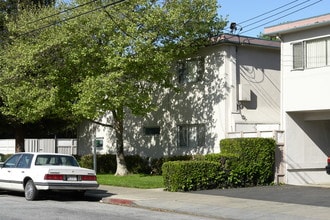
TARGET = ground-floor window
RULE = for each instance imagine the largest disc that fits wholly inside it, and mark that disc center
(191, 135)
(151, 130)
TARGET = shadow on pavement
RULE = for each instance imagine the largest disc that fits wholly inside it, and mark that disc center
(90, 196)
(303, 195)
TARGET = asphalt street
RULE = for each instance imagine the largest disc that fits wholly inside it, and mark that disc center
(285, 202)
(302, 195)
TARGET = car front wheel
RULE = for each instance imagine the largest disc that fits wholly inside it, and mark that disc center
(30, 191)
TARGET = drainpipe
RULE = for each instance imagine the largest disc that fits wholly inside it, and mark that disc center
(234, 76)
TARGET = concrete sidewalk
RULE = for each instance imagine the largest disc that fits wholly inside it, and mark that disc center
(246, 203)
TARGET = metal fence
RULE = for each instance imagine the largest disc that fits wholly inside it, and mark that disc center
(60, 145)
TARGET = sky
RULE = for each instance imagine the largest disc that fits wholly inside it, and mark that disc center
(265, 13)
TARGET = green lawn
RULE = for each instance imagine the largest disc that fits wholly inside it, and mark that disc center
(133, 180)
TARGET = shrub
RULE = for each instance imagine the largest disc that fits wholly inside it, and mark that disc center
(137, 164)
(242, 162)
(4, 157)
(192, 175)
(157, 163)
(255, 160)
(106, 163)
(86, 161)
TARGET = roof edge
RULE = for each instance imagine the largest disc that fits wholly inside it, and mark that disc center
(298, 25)
(244, 40)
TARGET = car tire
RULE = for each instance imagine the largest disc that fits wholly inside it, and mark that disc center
(30, 191)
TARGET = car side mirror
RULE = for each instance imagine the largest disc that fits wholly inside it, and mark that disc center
(1, 164)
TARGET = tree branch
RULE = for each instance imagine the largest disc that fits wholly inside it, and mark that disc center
(100, 123)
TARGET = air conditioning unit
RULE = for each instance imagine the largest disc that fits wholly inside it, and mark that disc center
(244, 92)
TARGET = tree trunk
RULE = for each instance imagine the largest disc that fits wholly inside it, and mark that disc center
(119, 129)
(19, 138)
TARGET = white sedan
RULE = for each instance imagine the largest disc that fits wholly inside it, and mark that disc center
(33, 172)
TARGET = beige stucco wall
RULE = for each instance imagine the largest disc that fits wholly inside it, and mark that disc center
(260, 69)
(307, 146)
(304, 89)
(212, 101)
(305, 114)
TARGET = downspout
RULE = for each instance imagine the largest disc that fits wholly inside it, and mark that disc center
(235, 82)
(231, 78)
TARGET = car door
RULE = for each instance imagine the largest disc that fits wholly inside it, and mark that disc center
(21, 171)
(7, 172)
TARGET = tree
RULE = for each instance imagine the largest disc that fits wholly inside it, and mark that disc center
(10, 10)
(108, 62)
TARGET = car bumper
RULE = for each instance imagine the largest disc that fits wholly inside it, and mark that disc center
(327, 168)
(66, 186)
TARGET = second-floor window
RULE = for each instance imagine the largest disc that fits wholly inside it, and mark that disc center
(298, 58)
(190, 70)
(311, 54)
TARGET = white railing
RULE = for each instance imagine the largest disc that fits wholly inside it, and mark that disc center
(277, 135)
(66, 146)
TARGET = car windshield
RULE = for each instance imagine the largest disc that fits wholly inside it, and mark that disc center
(56, 160)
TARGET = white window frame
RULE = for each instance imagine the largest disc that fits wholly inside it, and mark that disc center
(191, 135)
(314, 53)
(298, 55)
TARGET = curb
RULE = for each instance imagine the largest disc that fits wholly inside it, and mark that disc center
(117, 201)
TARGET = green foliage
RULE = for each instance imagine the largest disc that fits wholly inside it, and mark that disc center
(86, 161)
(242, 162)
(228, 161)
(117, 58)
(4, 157)
(255, 160)
(157, 163)
(192, 175)
(106, 163)
(137, 164)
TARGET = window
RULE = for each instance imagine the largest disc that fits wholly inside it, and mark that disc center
(311, 53)
(10, 163)
(190, 70)
(316, 53)
(152, 130)
(191, 135)
(25, 161)
(298, 58)
(56, 160)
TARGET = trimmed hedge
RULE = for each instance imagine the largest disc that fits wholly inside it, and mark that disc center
(157, 163)
(192, 175)
(242, 162)
(255, 160)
